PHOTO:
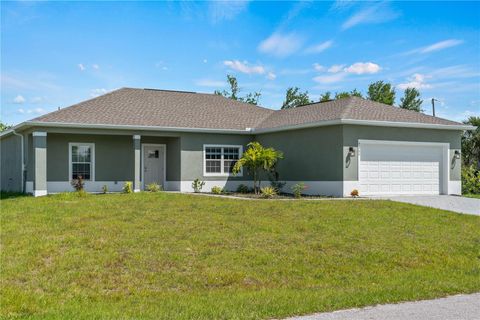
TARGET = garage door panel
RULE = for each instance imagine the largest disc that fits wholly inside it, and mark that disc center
(399, 169)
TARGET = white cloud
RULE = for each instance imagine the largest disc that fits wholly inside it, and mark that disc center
(226, 10)
(436, 46)
(416, 81)
(81, 67)
(318, 67)
(341, 5)
(373, 13)
(243, 67)
(457, 71)
(281, 45)
(31, 111)
(97, 92)
(336, 68)
(330, 78)
(210, 83)
(340, 72)
(363, 67)
(271, 76)
(319, 47)
(441, 45)
(19, 99)
(96, 66)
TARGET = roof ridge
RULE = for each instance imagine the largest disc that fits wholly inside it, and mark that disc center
(396, 108)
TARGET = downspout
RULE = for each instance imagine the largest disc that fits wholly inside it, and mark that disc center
(23, 159)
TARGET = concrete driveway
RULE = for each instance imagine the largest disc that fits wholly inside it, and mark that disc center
(451, 203)
(460, 307)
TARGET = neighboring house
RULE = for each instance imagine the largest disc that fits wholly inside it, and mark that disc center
(172, 138)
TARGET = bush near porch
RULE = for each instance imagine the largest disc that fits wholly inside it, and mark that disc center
(165, 256)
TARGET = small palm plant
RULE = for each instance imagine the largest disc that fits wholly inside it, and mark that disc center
(268, 192)
(257, 158)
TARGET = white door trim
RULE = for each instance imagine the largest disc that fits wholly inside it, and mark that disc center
(142, 169)
(445, 156)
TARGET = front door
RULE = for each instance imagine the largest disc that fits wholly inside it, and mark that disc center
(154, 165)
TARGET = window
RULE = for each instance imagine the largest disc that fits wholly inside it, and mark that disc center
(219, 160)
(82, 160)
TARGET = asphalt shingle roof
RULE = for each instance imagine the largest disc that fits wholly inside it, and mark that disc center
(162, 108)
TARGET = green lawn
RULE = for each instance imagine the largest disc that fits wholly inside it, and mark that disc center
(477, 196)
(166, 256)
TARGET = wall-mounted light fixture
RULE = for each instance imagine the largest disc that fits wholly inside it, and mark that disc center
(456, 154)
(351, 152)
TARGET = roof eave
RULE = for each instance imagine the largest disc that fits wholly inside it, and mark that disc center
(123, 127)
(27, 124)
(419, 125)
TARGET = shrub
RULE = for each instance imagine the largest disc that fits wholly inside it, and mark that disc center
(275, 181)
(154, 187)
(354, 193)
(268, 192)
(243, 189)
(470, 180)
(104, 189)
(197, 185)
(128, 187)
(78, 184)
(217, 190)
(298, 189)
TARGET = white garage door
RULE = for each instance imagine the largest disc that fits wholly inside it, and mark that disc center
(400, 169)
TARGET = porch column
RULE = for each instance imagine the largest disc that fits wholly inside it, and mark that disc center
(137, 163)
(39, 163)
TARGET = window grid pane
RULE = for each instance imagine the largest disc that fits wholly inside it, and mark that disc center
(81, 162)
(213, 166)
(221, 159)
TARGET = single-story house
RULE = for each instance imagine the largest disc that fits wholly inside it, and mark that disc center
(173, 138)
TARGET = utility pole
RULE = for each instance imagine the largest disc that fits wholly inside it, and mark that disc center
(433, 105)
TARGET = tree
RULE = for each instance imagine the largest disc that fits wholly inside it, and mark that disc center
(411, 100)
(4, 127)
(295, 98)
(232, 81)
(346, 94)
(471, 143)
(324, 97)
(252, 98)
(257, 158)
(356, 93)
(341, 95)
(381, 92)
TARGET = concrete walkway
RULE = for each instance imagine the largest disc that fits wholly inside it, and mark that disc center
(451, 203)
(460, 307)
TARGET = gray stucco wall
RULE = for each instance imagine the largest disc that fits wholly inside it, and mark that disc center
(11, 164)
(192, 154)
(114, 156)
(351, 135)
(313, 154)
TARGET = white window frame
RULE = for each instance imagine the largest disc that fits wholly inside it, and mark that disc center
(92, 159)
(222, 173)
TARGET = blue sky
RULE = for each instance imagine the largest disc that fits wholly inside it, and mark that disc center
(54, 54)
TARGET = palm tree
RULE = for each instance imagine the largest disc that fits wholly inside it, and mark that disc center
(257, 158)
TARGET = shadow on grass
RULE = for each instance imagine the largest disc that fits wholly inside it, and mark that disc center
(8, 195)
